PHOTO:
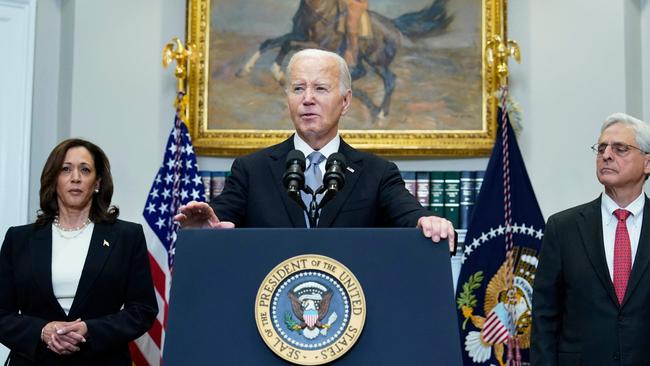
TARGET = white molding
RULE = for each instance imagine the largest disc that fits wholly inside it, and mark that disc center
(18, 17)
(645, 56)
(17, 25)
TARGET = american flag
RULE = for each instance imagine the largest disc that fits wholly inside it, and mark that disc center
(498, 326)
(494, 293)
(177, 183)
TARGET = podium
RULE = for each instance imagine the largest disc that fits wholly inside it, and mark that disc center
(410, 315)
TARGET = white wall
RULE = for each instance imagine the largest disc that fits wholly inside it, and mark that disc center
(573, 75)
(575, 72)
(110, 84)
(17, 23)
(121, 96)
(633, 56)
(45, 108)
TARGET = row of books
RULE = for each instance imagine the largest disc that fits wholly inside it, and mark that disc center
(213, 183)
(449, 194)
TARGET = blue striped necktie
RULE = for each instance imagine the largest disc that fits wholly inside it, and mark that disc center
(313, 175)
(313, 178)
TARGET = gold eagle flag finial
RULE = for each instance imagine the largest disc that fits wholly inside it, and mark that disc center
(499, 47)
(183, 57)
(497, 51)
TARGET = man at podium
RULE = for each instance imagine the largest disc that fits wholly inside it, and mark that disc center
(318, 93)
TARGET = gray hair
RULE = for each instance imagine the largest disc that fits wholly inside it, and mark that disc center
(640, 128)
(345, 80)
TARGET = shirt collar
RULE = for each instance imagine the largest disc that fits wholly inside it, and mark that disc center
(327, 150)
(608, 206)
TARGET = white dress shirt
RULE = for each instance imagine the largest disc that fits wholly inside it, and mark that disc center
(633, 222)
(327, 150)
(69, 252)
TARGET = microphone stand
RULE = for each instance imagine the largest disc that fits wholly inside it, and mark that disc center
(331, 188)
(313, 212)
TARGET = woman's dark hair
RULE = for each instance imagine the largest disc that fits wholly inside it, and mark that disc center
(100, 209)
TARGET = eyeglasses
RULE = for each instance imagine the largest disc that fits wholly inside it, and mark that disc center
(618, 148)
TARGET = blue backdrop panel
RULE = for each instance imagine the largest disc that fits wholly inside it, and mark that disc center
(411, 317)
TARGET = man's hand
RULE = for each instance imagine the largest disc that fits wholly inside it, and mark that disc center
(64, 338)
(200, 215)
(438, 228)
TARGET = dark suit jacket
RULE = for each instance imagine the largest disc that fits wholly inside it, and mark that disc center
(576, 317)
(373, 196)
(113, 276)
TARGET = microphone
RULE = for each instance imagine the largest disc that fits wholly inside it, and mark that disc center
(334, 178)
(294, 176)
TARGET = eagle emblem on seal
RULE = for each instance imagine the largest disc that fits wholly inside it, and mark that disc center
(503, 320)
(310, 303)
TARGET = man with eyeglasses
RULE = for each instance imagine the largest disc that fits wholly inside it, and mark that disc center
(592, 290)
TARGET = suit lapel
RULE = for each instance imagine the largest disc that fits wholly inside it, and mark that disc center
(642, 254)
(102, 243)
(591, 230)
(41, 249)
(355, 163)
(277, 166)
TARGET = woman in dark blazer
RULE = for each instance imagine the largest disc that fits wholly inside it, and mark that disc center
(75, 286)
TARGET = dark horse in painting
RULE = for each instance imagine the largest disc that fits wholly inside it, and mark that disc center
(316, 24)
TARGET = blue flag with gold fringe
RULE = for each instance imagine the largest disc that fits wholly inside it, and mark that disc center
(494, 293)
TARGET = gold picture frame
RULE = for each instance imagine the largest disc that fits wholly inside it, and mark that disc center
(409, 142)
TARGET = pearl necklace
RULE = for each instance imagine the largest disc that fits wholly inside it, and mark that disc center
(75, 231)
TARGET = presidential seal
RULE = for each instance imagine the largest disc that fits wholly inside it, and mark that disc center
(310, 310)
(501, 321)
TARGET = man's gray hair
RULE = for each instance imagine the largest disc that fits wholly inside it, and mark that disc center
(345, 80)
(641, 129)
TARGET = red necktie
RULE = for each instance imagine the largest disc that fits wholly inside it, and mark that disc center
(622, 254)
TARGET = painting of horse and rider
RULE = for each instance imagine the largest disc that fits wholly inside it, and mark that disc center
(416, 64)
